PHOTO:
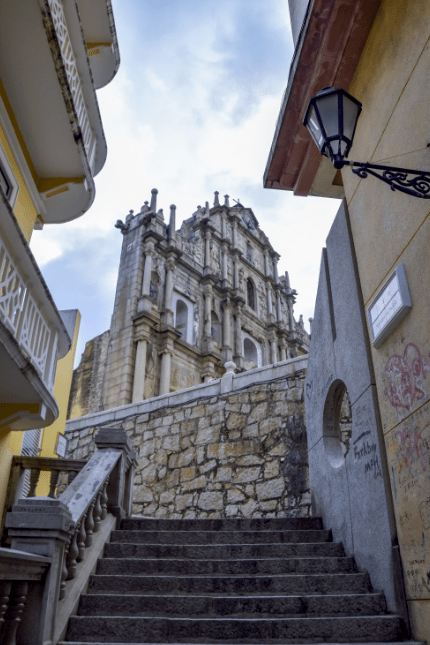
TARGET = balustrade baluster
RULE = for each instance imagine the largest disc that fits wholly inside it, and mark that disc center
(34, 478)
(71, 476)
(4, 600)
(104, 500)
(81, 540)
(64, 573)
(72, 555)
(89, 524)
(97, 513)
(13, 613)
(53, 483)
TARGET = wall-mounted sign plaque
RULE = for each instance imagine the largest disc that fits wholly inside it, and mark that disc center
(61, 447)
(389, 307)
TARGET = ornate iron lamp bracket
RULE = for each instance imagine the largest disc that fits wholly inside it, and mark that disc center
(412, 182)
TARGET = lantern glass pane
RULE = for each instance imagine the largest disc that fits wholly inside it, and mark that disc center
(329, 113)
(314, 128)
(350, 115)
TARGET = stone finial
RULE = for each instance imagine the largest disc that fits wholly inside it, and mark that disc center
(160, 214)
(311, 322)
(172, 223)
(226, 202)
(153, 206)
(287, 280)
(207, 213)
(230, 367)
(129, 216)
(145, 208)
(216, 200)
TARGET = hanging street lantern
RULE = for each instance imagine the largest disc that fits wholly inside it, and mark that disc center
(331, 118)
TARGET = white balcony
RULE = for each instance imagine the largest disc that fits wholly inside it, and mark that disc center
(32, 334)
(49, 99)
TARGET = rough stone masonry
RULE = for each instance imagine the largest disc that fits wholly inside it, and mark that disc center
(234, 447)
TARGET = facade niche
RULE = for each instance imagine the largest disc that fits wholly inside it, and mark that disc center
(250, 292)
(250, 354)
(181, 319)
(215, 328)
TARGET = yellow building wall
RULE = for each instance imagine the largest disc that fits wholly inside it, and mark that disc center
(24, 209)
(63, 381)
(388, 228)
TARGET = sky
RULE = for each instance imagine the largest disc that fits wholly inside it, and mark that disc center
(192, 110)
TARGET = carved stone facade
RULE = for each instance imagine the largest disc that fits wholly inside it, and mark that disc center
(187, 302)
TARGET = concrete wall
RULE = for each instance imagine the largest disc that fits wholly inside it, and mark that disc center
(231, 447)
(388, 228)
(348, 476)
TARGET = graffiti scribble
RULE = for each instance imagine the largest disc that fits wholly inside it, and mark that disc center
(404, 377)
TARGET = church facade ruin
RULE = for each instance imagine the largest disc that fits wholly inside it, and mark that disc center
(188, 302)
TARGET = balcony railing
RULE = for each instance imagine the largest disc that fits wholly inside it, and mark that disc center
(69, 60)
(26, 306)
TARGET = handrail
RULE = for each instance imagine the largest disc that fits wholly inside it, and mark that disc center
(36, 465)
(62, 529)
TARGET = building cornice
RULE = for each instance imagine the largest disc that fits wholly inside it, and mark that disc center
(327, 54)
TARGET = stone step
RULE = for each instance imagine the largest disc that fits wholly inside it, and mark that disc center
(220, 537)
(230, 524)
(119, 629)
(336, 583)
(237, 606)
(121, 566)
(223, 551)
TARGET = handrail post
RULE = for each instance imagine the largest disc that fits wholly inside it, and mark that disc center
(42, 526)
(121, 480)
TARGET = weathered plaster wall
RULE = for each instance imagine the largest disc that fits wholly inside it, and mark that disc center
(347, 464)
(231, 447)
(388, 228)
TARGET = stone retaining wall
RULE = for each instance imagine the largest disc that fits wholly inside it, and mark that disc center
(231, 447)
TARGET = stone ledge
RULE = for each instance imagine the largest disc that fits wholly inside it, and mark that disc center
(189, 395)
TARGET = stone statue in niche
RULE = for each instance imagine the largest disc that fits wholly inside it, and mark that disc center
(152, 291)
(196, 324)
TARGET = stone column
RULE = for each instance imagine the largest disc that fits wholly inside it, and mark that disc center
(165, 372)
(266, 263)
(208, 310)
(234, 234)
(283, 348)
(227, 351)
(149, 252)
(278, 307)
(236, 273)
(224, 263)
(239, 347)
(223, 226)
(269, 302)
(168, 291)
(139, 369)
(207, 252)
(275, 269)
(273, 351)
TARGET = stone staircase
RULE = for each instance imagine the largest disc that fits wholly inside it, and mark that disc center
(229, 581)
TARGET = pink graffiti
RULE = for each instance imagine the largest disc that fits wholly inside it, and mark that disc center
(413, 449)
(405, 376)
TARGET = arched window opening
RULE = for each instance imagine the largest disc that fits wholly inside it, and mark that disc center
(250, 294)
(337, 423)
(181, 319)
(250, 354)
(215, 327)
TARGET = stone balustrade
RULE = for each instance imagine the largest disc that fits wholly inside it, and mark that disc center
(63, 532)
